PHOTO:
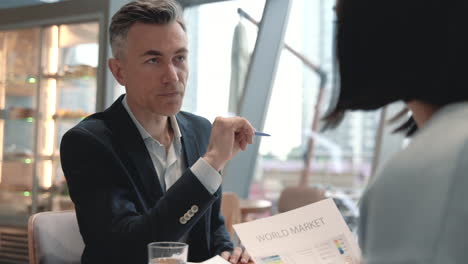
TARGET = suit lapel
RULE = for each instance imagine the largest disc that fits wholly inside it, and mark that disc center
(189, 143)
(134, 149)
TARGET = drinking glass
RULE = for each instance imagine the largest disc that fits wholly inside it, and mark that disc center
(167, 253)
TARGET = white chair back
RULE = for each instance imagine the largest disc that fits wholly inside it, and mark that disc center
(54, 238)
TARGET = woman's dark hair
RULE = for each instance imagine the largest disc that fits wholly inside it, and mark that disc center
(400, 50)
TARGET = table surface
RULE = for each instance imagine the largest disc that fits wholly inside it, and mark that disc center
(255, 206)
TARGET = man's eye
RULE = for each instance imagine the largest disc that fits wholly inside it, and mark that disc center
(152, 61)
(180, 58)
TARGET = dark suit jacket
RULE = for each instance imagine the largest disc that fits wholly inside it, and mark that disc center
(119, 202)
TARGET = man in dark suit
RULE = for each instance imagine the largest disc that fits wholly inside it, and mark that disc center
(141, 171)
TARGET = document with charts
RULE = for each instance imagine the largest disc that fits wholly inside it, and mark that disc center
(313, 234)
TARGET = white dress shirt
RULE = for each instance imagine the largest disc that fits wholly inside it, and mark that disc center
(170, 166)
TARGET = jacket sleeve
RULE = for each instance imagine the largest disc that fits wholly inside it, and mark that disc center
(107, 209)
(219, 236)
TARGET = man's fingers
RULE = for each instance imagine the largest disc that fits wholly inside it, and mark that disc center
(245, 257)
(240, 123)
(249, 135)
(250, 138)
(228, 136)
(236, 253)
(236, 123)
(244, 138)
(243, 142)
(225, 255)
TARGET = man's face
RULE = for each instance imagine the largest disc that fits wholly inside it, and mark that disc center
(154, 67)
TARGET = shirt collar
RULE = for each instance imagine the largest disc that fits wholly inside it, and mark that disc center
(452, 110)
(144, 134)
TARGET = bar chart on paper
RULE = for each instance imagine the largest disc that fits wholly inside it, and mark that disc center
(334, 250)
(276, 259)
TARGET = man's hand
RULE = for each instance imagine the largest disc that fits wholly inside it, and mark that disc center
(228, 136)
(238, 256)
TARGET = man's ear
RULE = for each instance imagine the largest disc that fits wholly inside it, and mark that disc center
(115, 66)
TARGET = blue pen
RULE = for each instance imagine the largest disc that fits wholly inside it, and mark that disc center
(258, 133)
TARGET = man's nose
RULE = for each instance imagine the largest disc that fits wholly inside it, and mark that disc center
(170, 74)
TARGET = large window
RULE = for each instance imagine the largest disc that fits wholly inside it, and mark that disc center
(341, 159)
(219, 40)
(211, 29)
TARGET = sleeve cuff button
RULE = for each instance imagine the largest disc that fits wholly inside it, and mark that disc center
(194, 208)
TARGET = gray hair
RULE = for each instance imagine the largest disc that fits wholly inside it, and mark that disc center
(143, 11)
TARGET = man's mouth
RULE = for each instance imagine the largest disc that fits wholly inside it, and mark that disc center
(169, 94)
